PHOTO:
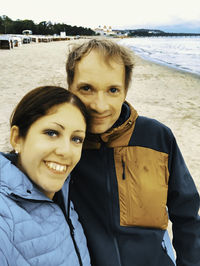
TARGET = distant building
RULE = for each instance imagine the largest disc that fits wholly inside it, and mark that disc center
(104, 31)
(121, 33)
(62, 34)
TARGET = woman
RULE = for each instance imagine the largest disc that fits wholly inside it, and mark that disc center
(38, 225)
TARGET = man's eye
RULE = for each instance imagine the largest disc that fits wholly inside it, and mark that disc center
(51, 133)
(85, 88)
(114, 90)
(78, 140)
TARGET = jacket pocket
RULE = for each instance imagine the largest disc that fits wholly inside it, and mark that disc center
(142, 176)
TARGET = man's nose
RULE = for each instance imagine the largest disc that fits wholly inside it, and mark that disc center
(99, 103)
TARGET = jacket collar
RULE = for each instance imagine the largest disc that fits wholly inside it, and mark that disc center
(119, 134)
(15, 183)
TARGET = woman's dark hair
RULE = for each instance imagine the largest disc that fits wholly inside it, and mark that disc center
(37, 103)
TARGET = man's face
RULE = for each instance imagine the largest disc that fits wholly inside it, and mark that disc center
(101, 86)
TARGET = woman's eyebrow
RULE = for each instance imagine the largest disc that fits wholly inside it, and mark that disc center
(77, 131)
(59, 125)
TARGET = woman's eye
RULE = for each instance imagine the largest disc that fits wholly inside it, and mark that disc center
(78, 140)
(51, 133)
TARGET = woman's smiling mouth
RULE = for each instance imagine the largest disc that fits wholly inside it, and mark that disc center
(56, 167)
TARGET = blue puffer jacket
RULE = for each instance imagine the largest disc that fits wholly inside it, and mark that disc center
(33, 229)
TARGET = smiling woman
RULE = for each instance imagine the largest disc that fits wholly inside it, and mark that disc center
(48, 128)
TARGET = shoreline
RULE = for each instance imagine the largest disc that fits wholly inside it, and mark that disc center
(170, 66)
(172, 52)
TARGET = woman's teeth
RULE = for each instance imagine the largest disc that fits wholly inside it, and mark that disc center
(56, 167)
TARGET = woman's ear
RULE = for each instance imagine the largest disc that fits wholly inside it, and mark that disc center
(15, 139)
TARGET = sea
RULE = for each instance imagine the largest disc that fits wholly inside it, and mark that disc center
(182, 53)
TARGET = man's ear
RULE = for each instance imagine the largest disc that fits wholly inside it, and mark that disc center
(15, 139)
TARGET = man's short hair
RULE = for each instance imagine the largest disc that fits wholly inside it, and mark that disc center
(109, 50)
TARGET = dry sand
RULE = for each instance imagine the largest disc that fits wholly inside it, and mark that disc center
(171, 96)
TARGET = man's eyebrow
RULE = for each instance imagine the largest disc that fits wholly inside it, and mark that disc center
(80, 131)
(82, 83)
(115, 85)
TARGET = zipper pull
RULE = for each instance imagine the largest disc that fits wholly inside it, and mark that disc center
(123, 174)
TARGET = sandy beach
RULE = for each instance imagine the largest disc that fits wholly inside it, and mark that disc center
(171, 96)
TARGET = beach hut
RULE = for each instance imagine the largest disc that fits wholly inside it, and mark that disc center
(56, 38)
(26, 39)
(45, 38)
(35, 39)
(6, 42)
(17, 41)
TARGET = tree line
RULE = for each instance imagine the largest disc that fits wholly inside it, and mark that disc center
(157, 33)
(9, 26)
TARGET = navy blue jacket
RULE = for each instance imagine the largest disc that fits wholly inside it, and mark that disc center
(129, 181)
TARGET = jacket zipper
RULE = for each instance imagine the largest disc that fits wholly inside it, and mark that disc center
(123, 167)
(71, 227)
(74, 241)
(127, 187)
(110, 205)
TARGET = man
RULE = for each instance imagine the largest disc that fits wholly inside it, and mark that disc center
(132, 175)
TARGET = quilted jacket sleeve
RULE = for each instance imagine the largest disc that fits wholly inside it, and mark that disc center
(183, 206)
(4, 261)
(6, 247)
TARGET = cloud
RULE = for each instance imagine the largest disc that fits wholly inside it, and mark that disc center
(91, 13)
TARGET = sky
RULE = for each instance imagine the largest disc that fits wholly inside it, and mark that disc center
(122, 14)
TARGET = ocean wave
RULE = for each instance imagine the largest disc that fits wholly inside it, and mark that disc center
(180, 52)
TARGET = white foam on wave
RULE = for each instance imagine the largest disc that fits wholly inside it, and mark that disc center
(179, 52)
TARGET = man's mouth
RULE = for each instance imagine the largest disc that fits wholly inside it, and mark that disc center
(99, 118)
(56, 167)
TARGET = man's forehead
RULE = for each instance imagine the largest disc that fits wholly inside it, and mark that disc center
(101, 55)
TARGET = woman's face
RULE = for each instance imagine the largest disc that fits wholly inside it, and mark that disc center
(52, 147)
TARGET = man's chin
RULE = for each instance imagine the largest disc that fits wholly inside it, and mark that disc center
(98, 129)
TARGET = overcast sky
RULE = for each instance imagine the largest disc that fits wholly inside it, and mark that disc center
(91, 13)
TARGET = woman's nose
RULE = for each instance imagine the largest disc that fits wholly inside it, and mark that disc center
(63, 148)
